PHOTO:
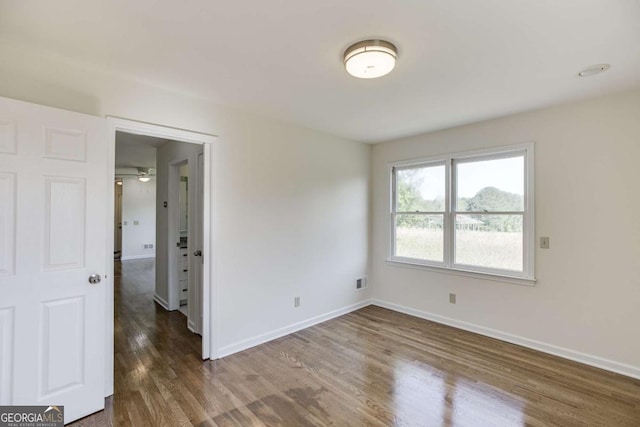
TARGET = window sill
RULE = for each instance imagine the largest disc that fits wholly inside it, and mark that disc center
(458, 272)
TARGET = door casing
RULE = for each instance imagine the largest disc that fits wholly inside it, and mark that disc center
(209, 288)
(118, 219)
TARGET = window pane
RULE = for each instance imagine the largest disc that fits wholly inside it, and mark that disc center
(420, 237)
(490, 185)
(492, 241)
(420, 189)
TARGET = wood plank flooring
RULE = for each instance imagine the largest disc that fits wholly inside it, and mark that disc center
(371, 367)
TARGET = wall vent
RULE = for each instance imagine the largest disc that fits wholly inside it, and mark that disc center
(361, 283)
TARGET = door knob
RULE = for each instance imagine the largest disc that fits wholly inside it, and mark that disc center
(197, 253)
(94, 279)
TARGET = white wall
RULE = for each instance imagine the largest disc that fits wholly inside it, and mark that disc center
(290, 208)
(587, 297)
(138, 204)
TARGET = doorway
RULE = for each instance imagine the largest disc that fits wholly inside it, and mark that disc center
(199, 225)
(184, 218)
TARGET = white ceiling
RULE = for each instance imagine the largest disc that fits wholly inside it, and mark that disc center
(133, 151)
(460, 61)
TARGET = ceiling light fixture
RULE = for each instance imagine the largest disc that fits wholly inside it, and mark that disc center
(593, 70)
(144, 174)
(369, 59)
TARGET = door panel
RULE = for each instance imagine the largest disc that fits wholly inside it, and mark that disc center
(53, 186)
(7, 137)
(62, 361)
(65, 206)
(7, 223)
(7, 332)
(66, 144)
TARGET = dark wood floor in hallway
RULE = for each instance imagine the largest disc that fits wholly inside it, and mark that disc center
(371, 367)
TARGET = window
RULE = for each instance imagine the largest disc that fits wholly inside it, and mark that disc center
(469, 212)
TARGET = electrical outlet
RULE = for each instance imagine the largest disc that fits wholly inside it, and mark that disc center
(136, 222)
(452, 298)
(544, 243)
(361, 283)
(296, 302)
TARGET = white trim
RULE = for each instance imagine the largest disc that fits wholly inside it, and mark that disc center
(529, 242)
(410, 263)
(158, 131)
(587, 359)
(132, 257)
(108, 283)
(163, 303)
(565, 353)
(448, 264)
(191, 326)
(497, 150)
(286, 330)
(209, 285)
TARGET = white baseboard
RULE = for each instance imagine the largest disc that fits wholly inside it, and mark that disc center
(192, 327)
(163, 303)
(587, 359)
(269, 336)
(131, 257)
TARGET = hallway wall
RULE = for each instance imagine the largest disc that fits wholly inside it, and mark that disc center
(138, 205)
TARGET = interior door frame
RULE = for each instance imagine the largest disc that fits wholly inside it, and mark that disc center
(209, 287)
(117, 225)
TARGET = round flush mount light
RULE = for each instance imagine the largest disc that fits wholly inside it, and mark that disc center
(369, 59)
(594, 69)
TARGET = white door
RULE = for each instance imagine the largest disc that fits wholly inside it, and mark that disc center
(196, 246)
(53, 225)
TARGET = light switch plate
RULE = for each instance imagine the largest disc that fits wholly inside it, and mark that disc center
(544, 243)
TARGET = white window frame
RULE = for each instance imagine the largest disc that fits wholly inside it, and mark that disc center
(527, 276)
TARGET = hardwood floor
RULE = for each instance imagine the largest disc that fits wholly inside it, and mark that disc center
(371, 367)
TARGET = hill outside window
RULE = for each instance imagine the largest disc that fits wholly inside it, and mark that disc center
(469, 212)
